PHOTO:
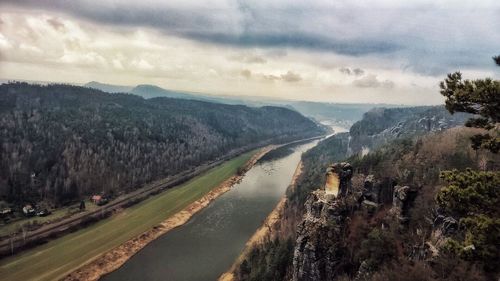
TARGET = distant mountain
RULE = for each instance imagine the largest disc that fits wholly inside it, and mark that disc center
(109, 88)
(336, 113)
(151, 91)
(61, 142)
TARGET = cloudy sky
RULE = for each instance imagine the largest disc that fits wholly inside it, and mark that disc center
(337, 51)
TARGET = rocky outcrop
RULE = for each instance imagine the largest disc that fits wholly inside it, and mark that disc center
(442, 228)
(338, 179)
(446, 225)
(381, 125)
(402, 197)
(387, 226)
(377, 192)
(318, 250)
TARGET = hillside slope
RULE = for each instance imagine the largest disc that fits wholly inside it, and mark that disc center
(382, 125)
(388, 227)
(60, 142)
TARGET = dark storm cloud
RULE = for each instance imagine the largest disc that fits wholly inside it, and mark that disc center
(297, 40)
(129, 13)
(430, 37)
(216, 25)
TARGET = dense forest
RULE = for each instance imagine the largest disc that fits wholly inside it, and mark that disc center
(61, 142)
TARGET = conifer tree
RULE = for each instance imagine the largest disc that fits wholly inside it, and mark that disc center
(480, 97)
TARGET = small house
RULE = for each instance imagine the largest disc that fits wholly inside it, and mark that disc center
(96, 198)
(99, 200)
(5, 211)
(28, 210)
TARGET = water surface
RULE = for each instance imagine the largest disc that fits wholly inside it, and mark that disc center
(206, 246)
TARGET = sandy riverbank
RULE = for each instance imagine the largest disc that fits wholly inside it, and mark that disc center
(112, 260)
(266, 231)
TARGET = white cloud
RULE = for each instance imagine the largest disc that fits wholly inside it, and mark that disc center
(117, 64)
(80, 51)
(4, 42)
(142, 64)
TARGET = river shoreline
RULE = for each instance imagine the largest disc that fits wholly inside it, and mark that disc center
(114, 259)
(266, 230)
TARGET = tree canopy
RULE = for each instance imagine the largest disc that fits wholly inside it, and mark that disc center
(59, 143)
(480, 97)
(474, 197)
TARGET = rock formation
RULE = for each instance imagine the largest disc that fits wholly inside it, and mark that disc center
(381, 125)
(318, 250)
(378, 191)
(401, 198)
(338, 178)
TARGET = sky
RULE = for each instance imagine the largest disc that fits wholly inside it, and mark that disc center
(317, 50)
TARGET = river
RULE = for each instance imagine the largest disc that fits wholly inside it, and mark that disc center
(206, 246)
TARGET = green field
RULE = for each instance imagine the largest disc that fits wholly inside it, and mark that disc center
(59, 257)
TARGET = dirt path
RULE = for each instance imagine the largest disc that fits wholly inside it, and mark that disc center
(115, 258)
(266, 231)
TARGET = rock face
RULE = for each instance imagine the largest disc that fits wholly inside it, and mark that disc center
(338, 179)
(381, 125)
(378, 191)
(320, 248)
(401, 198)
(318, 251)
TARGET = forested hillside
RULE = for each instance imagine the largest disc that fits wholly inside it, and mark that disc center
(394, 224)
(420, 197)
(61, 142)
(358, 238)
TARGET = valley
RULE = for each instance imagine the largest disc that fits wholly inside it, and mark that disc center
(60, 257)
(249, 140)
(216, 235)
